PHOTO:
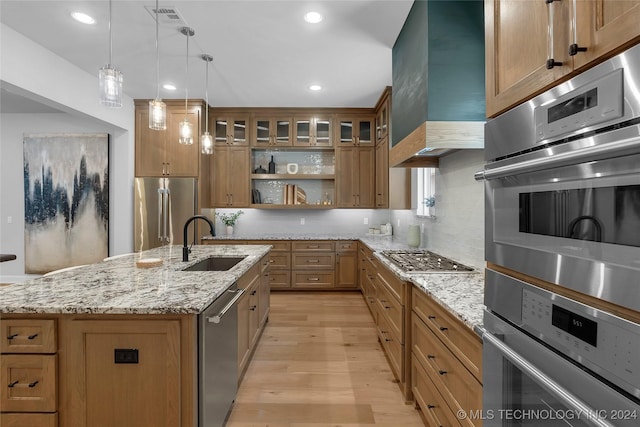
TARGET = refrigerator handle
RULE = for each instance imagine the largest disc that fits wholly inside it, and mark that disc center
(165, 211)
(160, 199)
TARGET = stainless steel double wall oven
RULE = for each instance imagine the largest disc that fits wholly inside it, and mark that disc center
(562, 184)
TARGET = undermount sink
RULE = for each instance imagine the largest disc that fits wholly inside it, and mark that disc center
(215, 264)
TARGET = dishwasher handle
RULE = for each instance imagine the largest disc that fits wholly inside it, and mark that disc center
(218, 317)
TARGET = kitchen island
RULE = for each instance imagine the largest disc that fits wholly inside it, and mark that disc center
(114, 344)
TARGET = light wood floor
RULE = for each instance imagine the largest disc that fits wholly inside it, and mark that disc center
(319, 363)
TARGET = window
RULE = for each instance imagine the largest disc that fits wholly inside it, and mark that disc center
(426, 190)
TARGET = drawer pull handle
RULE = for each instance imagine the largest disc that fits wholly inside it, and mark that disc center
(313, 279)
(442, 328)
(313, 260)
(33, 384)
(272, 261)
(387, 307)
(430, 356)
(10, 337)
(431, 317)
(431, 406)
(32, 336)
(441, 372)
(388, 339)
(11, 385)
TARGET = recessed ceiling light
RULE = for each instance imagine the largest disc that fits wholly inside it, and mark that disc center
(315, 87)
(83, 17)
(169, 86)
(313, 17)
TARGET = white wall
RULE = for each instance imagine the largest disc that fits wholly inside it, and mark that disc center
(31, 71)
(457, 231)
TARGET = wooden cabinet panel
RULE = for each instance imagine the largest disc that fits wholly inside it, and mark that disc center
(391, 308)
(264, 294)
(102, 392)
(313, 131)
(354, 130)
(394, 286)
(312, 279)
(355, 181)
(231, 177)
(29, 383)
(312, 245)
(28, 420)
(230, 128)
(461, 340)
(158, 153)
(280, 260)
(280, 279)
(433, 406)
(272, 131)
(392, 346)
(319, 260)
(346, 270)
(28, 336)
(460, 389)
(277, 245)
(604, 26)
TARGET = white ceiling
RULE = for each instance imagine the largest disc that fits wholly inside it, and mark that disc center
(265, 55)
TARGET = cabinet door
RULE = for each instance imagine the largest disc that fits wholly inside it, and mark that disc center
(365, 177)
(302, 135)
(231, 129)
(149, 146)
(264, 293)
(517, 49)
(182, 160)
(220, 192)
(347, 270)
(107, 393)
(322, 132)
(238, 176)
(382, 174)
(270, 131)
(346, 169)
(605, 25)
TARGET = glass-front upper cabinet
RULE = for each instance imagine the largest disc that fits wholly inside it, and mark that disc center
(272, 131)
(313, 132)
(356, 131)
(231, 130)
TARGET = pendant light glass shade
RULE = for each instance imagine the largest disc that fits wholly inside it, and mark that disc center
(185, 127)
(157, 108)
(206, 140)
(110, 79)
(157, 115)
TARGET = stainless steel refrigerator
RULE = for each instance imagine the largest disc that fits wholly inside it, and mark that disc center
(161, 208)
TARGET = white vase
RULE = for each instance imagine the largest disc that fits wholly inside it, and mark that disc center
(413, 236)
(229, 230)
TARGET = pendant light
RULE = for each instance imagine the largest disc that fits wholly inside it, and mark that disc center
(207, 140)
(110, 78)
(186, 128)
(157, 108)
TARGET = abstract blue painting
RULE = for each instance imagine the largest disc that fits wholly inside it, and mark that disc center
(66, 200)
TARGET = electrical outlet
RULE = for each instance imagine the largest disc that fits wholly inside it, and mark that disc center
(301, 221)
(366, 220)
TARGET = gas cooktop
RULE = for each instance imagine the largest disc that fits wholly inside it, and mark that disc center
(421, 261)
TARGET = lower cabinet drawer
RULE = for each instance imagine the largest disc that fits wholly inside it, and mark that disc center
(314, 260)
(456, 384)
(28, 383)
(313, 279)
(392, 346)
(280, 260)
(393, 310)
(28, 420)
(432, 404)
(279, 279)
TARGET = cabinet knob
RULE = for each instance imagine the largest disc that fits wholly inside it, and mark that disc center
(441, 372)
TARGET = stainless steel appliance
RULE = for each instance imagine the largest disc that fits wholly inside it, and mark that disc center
(563, 184)
(218, 359)
(421, 261)
(552, 361)
(161, 208)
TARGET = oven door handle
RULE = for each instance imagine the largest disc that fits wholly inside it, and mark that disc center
(554, 388)
(567, 158)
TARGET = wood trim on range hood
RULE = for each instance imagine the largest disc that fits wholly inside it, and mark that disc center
(432, 140)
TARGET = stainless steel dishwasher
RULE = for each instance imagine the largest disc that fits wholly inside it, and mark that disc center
(218, 358)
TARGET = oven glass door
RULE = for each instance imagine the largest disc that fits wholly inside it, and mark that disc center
(527, 384)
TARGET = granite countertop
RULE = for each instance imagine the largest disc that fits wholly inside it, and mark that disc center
(117, 286)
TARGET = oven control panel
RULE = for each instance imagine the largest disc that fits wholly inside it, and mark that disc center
(605, 343)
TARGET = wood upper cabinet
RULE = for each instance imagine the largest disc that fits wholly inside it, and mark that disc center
(383, 112)
(158, 153)
(519, 36)
(355, 181)
(230, 186)
(230, 128)
(272, 131)
(604, 26)
(355, 131)
(382, 174)
(313, 131)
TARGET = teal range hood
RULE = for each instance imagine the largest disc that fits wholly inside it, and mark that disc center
(438, 99)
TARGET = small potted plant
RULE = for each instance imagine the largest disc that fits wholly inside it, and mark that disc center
(229, 220)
